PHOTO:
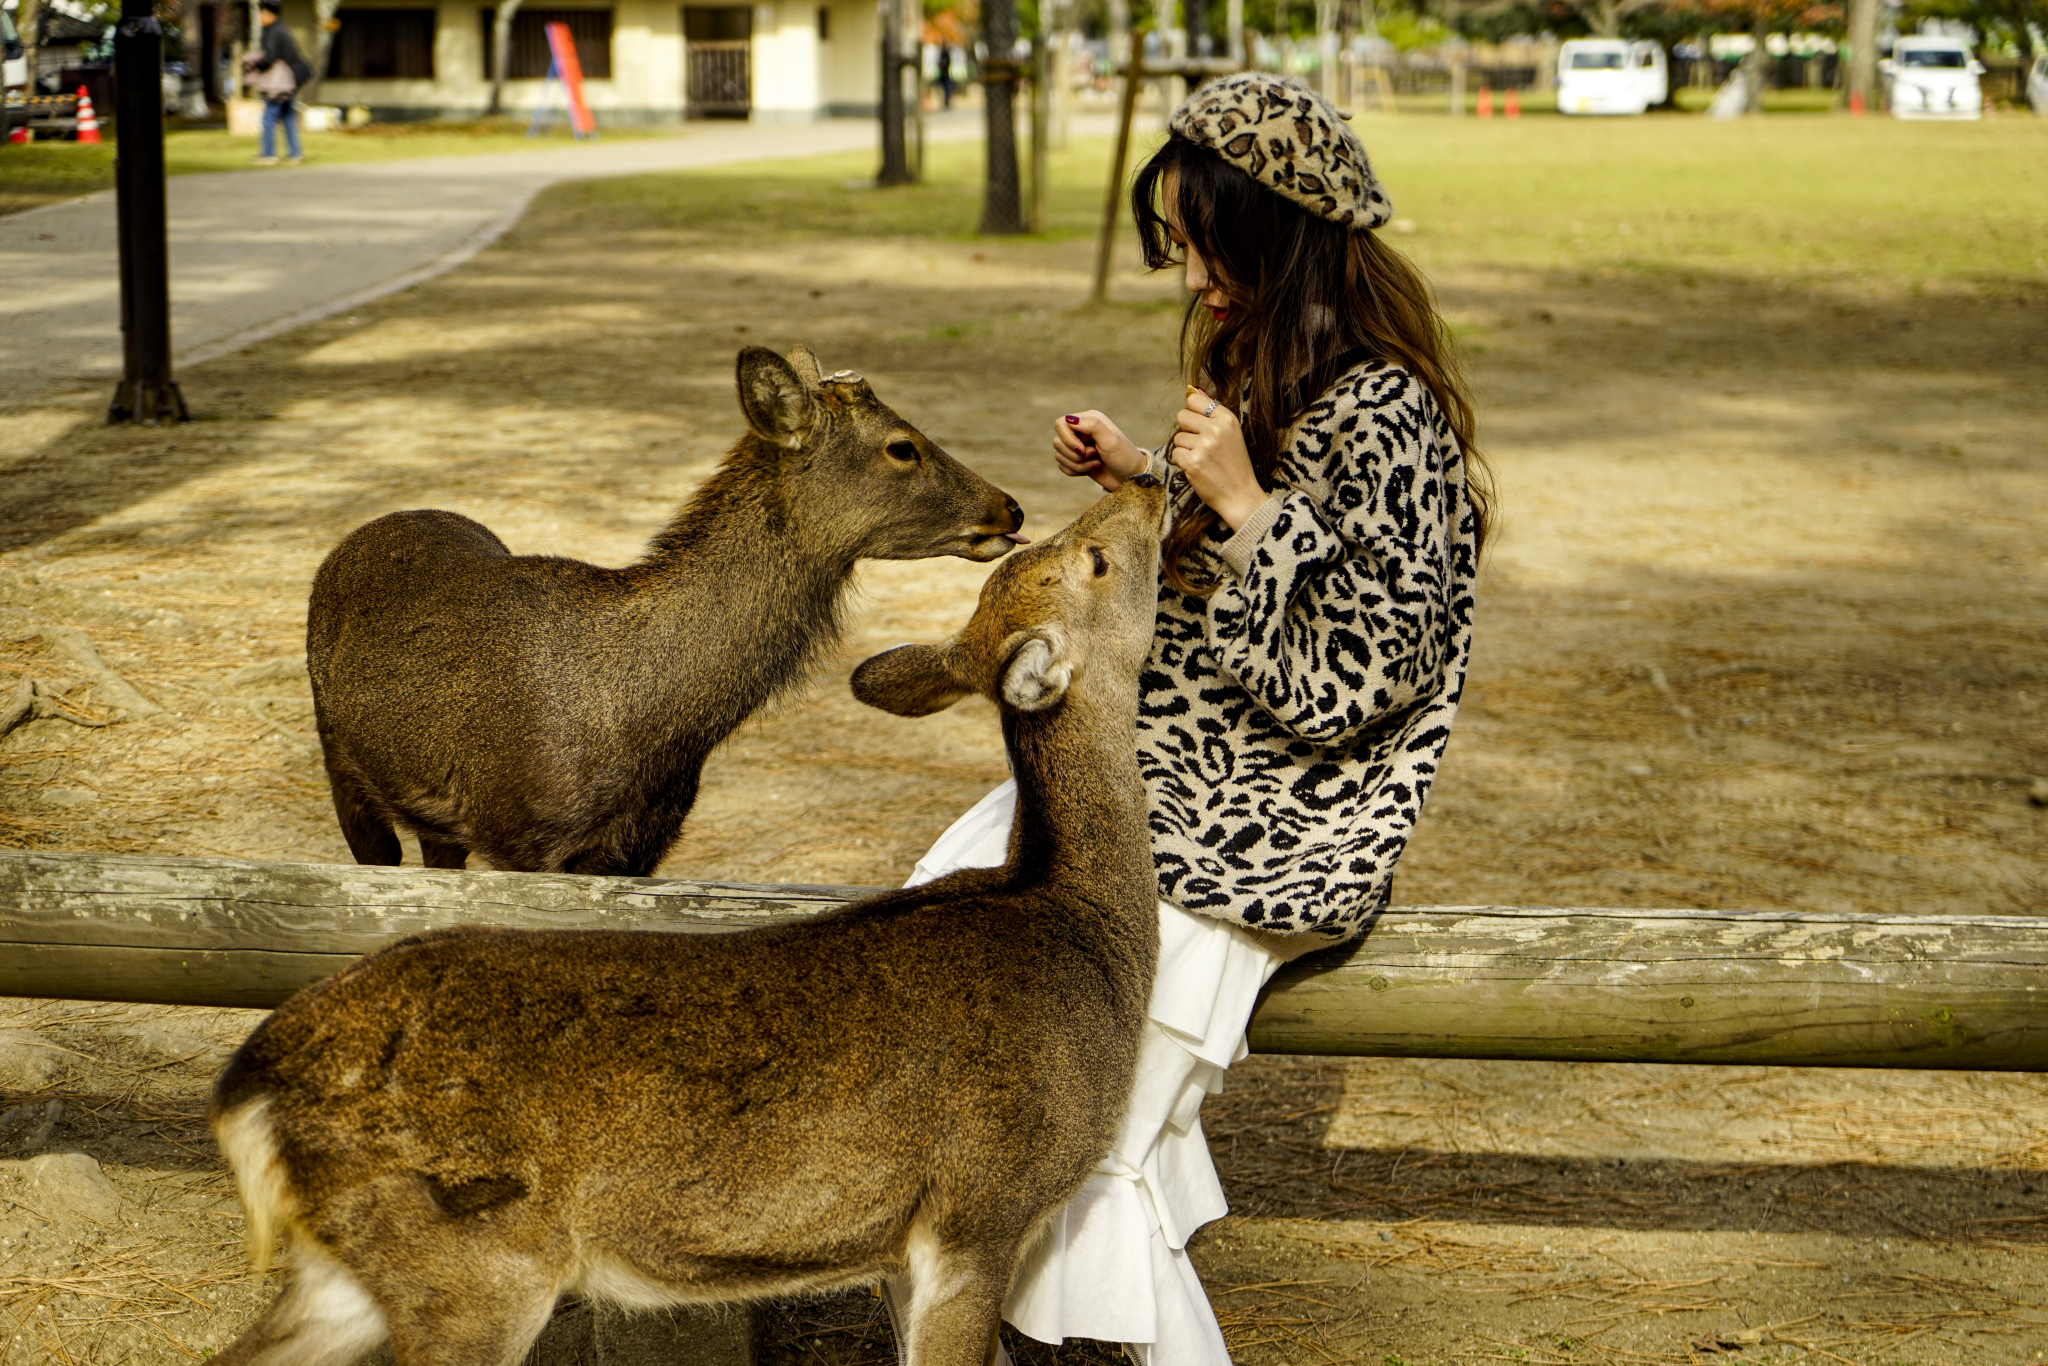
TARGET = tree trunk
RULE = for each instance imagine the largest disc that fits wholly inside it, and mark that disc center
(1758, 61)
(324, 28)
(501, 53)
(1603, 17)
(895, 158)
(29, 20)
(1326, 49)
(1002, 208)
(1863, 52)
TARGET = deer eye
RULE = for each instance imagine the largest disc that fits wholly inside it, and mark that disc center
(906, 451)
(1101, 560)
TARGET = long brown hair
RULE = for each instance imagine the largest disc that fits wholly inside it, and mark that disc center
(1308, 299)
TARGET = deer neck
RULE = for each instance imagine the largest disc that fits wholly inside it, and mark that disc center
(1081, 806)
(734, 589)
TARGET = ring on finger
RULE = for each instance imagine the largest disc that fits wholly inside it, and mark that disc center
(1210, 409)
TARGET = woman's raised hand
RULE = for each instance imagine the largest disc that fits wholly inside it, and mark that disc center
(1090, 444)
(1209, 450)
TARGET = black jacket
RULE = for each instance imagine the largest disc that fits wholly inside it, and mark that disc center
(280, 46)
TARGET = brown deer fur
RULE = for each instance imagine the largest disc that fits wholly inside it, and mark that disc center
(463, 1127)
(552, 715)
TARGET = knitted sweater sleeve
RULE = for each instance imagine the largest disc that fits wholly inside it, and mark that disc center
(1336, 612)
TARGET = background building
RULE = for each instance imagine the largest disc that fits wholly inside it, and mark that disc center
(643, 61)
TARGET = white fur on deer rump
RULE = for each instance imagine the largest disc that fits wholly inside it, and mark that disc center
(1114, 1264)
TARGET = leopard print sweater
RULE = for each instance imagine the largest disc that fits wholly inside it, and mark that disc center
(1290, 725)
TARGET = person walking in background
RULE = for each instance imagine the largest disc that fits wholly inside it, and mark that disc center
(946, 74)
(280, 69)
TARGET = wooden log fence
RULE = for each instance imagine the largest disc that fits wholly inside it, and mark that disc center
(1781, 987)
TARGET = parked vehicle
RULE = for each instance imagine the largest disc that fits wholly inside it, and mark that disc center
(1933, 78)
(2037, 85)
(1610, 76)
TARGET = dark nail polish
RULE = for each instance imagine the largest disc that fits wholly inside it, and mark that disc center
(1075, 420)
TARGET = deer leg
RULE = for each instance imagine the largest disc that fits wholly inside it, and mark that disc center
(370, 837)
(323, 1318)
(443, 853)
(956, 1303)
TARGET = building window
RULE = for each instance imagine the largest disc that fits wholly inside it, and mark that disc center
(591, 29)
(718, 23)
(382, 44)
(824, 23)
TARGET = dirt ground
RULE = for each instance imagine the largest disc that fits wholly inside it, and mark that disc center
(1763, 628)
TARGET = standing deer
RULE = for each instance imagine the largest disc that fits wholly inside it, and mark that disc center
(552, 715)
(465, 1126)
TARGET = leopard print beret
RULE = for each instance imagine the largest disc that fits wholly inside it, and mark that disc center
(1289, 139)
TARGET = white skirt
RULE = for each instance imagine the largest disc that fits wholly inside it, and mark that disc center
(1114, 1265)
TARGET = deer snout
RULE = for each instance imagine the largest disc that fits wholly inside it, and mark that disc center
(1016, 521)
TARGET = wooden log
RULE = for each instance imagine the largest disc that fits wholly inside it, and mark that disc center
(1792, 988)
(1784, 987)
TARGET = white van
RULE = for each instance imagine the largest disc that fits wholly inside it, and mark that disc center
(1609, 76)
(1933, 78)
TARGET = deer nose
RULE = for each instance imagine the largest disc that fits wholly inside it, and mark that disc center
(1016, 515)
(1145, 481)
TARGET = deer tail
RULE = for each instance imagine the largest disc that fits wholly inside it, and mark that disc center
(249, 1143)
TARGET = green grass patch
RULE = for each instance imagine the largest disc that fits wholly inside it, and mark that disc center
(43, 172)
(1814, 199)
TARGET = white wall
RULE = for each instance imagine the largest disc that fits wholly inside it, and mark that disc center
(646, 80)
(851, 61)
(785, 62)
(797, 78)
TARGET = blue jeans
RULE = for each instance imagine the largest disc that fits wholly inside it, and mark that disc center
(286, 113)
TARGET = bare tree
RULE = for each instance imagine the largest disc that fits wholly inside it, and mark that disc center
(895, 156)
(501, 53)
(325, 26)
(1002, 205)
(1603, 17)
(29, 19)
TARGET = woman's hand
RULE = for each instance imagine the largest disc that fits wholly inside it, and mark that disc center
(1090, 444)
(1209, 450)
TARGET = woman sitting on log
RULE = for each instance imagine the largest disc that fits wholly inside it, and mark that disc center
(1315, 620)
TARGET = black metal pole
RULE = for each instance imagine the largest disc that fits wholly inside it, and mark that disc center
(146, 393)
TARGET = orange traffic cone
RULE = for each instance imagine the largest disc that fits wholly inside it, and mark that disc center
(88, 122)
(1510, 105)
(1485, 102)
(1856, 103)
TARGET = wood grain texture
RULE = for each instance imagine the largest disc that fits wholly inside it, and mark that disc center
(1674, 986)
(1427, 981)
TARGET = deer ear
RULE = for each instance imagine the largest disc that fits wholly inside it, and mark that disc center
(911, 680)
(778, 404)
(1038, 673)
(805, 362)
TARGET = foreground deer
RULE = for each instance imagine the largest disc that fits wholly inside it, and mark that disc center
(552, 715)
(465, 1126)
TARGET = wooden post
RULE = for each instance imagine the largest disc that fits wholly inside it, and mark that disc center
(1763, 987)
(1105, 245)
